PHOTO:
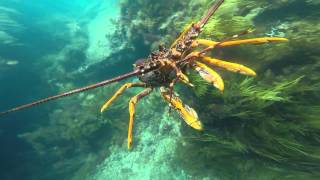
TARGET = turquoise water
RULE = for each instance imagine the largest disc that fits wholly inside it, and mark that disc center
(259, 128)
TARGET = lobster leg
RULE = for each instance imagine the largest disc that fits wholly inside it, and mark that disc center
(188, 114)
(119, 92)
(213, 44)
(234, 67)
(132, 104)
(252, 41)
(183, 78)
(180, 76)
(204, 42)
(209, 75)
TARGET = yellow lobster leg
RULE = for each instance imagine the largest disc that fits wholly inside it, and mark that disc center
(182, 77)
(262, 40)
(234, 67)
(119, 92)
(204, 42)
(209, 75)
(188, 114)
(252, 41)
(132, 104)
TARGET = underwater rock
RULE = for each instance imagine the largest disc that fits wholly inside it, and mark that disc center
(98, 28)
(73, 27)
(154, 148)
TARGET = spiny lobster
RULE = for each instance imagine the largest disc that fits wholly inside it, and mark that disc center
(165, 67)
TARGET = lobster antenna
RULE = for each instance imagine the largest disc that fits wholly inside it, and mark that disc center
(210, 12)
(75, 91)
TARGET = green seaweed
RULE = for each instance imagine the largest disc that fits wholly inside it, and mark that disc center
(251, 122)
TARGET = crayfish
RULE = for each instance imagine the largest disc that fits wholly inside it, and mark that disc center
(165, 67)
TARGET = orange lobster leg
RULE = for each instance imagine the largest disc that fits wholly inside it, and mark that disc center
(119, 92)
(188, 114)
(252, 41)
(234, 67)
(206, 42)
(182, 77)
(209, 75)
(132, 104)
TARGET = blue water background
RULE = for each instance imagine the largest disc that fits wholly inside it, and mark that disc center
(42, 25)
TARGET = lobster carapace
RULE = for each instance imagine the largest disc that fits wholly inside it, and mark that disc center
(167, 66)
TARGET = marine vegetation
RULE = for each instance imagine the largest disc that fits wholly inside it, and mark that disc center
(166, 66)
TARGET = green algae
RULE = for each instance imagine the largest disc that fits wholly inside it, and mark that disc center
(276, 131)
